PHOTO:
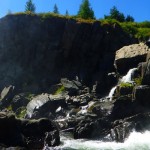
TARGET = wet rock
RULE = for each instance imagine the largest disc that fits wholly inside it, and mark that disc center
(71, 86)
(146, 71)
(45, 105)
(6, 96)
(31, 134)
(18, 101)
(142, 95)
(92, 129)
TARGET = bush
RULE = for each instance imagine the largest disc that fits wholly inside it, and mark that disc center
(126, 85)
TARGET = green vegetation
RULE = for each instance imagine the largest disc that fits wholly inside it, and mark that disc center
(60, 90)
(138, 81)
(126, 85)
(21, 112)
(30, 7)
(85, 11)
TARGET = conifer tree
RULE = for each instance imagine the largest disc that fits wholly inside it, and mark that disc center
(85, 11)
(29, 6)
(67, 13)
(55, 9)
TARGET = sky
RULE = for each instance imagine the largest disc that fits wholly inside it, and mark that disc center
(138, 9)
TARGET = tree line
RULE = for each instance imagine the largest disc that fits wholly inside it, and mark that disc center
(86, 12)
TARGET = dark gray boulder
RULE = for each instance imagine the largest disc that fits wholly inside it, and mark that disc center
(45, 105)
(142, 95)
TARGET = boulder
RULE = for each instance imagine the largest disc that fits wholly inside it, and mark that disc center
(71, 86)
(45, 105)
(146, 71)
(31, 134)
(130, 56)
(19, 101)
(6, 96)
(142, 95)
(122, 128)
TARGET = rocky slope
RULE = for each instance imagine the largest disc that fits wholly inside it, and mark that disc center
(36, 52)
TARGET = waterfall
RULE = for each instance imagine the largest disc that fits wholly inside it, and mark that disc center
(128, 76)
(111, 93)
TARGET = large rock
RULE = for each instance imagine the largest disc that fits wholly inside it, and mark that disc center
(6, 96)
(45, 105)
(146, 71)
(142, 95)
(42, 50)
(31, 134)
(130, 56)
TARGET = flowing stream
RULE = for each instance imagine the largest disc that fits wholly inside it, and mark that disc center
(136, 141)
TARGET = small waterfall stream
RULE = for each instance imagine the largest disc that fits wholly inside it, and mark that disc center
(125, 79)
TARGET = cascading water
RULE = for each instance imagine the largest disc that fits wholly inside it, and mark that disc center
(125, 79)
(128, 76)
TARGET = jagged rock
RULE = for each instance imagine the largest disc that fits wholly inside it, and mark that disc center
(19, 101)
(92, 129)
(6, 96)
(123, 128)
(146, 71)
(45, 105)
(31, 134)
(142, 95)
(71, 86)
(130, 56)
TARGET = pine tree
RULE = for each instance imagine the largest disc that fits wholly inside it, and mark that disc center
(115, 14)
(129, 18)
(67, 13)
(85, 11)
(55, 9)
(29, 6)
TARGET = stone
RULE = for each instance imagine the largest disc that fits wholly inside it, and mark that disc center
(19, 101)
(45, 105)
(30, 134)
(146, 71)
(6, 96)
(142, 95)
(130, 56)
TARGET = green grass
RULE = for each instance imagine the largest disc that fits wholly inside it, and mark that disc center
(138, 81)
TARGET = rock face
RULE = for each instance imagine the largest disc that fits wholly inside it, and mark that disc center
(36, 52)
(31, 134)
(130, 56)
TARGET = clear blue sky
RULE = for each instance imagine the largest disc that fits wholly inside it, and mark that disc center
(139, 9)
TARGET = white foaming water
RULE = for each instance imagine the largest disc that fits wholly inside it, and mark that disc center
(111, 93)
(128, 76)
(136, 141)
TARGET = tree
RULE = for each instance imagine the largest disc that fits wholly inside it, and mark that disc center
(115, 14)
(30, 6)
(55, 9)
(129, 18)
(67, 13)
(85, 11)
